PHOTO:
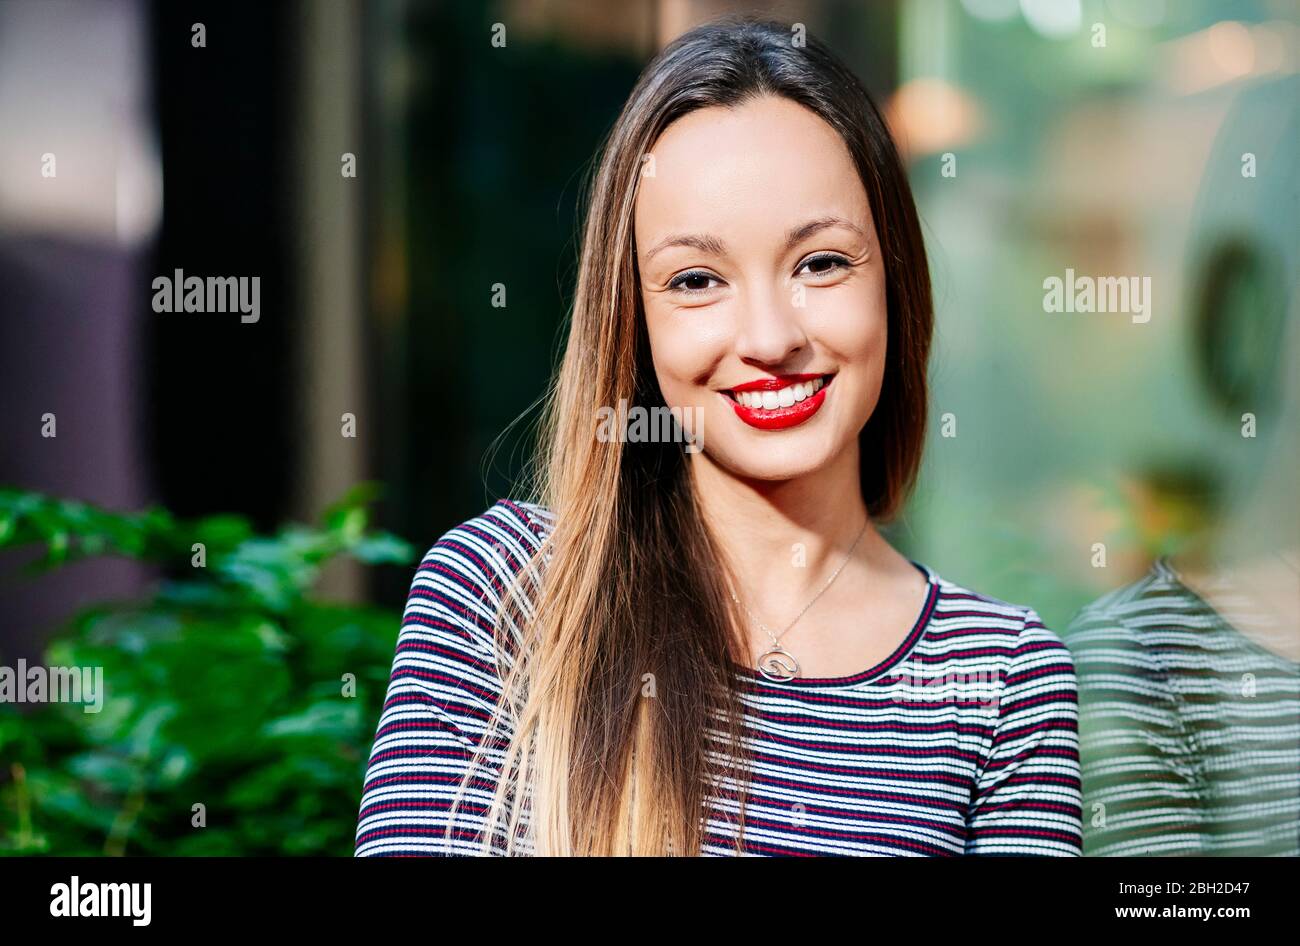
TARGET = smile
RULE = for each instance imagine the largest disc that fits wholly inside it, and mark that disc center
(779, 403)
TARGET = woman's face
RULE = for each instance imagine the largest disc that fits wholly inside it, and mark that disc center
(763, 286)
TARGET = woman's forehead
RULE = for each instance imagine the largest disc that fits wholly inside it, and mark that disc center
(754, 169)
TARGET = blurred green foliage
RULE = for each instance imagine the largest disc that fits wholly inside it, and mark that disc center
(230, 687)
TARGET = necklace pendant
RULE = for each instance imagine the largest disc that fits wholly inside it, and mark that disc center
(778, 665)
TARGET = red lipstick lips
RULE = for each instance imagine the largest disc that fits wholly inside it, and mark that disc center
(750, 400)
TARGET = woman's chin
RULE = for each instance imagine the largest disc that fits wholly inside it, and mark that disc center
(771, 464)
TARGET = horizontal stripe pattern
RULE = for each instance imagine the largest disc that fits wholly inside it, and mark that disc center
(963, 741)
(1190, 731)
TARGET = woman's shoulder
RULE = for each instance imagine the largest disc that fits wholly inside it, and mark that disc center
(495, 544)
(510, 520)
(459, 583)
(1005, 645)
(969, 618)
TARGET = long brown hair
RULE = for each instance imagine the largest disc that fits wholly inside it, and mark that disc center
(618, 667)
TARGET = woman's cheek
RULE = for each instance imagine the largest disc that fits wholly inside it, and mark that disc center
(853, 326)
(685, 347)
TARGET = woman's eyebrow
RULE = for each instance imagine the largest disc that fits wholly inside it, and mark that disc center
(714, 246)
(805, 230)
(702, 242)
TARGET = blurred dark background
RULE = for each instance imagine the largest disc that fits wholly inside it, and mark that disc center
(225, 158)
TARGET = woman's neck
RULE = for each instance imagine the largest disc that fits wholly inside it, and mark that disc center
(783, 539)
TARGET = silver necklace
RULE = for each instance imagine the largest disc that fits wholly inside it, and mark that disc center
(776, 663)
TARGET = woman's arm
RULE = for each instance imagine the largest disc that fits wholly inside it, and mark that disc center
(441, 694)
(1028, 797)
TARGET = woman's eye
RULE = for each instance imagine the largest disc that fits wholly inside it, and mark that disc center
(694, 281)
(823, 265)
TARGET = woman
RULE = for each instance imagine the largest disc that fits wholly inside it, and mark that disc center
(702, 644)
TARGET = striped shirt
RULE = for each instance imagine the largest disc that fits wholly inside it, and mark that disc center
(963, 741)
(1190, 730)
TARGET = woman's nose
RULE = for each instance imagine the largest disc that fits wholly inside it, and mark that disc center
(770, 328)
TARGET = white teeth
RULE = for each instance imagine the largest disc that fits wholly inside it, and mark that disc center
(785, 397)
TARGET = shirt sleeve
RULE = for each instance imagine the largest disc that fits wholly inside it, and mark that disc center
(1028, 799)
(441, 694)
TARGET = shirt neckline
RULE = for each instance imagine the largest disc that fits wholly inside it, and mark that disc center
(900, 652)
